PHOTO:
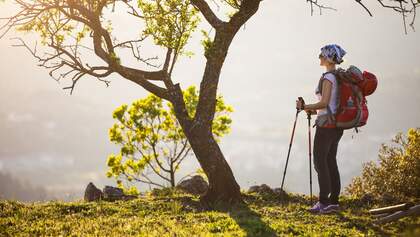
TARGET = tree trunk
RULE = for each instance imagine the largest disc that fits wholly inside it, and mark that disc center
(172, 173)
(222, 184)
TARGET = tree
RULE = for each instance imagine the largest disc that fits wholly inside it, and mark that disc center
(398, 171)
(69, 27)
(152, 140)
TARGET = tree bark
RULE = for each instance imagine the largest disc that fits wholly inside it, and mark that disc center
(223, 187)
(172, 173)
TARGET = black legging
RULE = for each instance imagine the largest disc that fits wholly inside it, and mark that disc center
(325, 163)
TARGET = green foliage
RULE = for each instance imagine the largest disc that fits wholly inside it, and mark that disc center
(53, 25)
(152, 140)
(206, 42)
(180, 215)
(398, 171)
(169, 22)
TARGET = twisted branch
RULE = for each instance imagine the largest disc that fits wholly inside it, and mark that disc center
(403, 7)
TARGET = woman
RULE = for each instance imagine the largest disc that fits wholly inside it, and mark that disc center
(326, 139)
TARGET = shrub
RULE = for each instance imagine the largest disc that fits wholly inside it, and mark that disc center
(398, 173)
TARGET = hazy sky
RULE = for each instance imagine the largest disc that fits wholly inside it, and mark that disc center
(60, 141)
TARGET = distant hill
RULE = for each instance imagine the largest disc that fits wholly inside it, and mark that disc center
(17, 189)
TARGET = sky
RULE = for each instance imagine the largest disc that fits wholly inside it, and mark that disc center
(60, 141)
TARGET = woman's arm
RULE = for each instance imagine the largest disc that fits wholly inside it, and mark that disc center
(325, 98)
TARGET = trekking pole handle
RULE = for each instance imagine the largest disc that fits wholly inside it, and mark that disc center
(302, 101)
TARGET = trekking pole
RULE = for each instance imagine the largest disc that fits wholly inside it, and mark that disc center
(310, 154)
(290, 144)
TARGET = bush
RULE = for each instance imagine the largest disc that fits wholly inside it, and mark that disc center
(397, 176)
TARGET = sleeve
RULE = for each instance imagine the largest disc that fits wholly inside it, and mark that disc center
(330, 77)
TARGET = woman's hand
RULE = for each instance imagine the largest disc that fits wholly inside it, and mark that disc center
(310, 111)
(298, 105)
(307, 109)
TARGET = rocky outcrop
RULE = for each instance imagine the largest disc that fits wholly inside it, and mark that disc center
(109, 193)
(280, 192)
(195, 185)
(114, 193)
(92, 193)
(263, 188)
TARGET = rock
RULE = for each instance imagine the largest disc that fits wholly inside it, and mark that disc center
(113, 193)
(195, 185)
(129, 197)
(280, 192)
(92, 193)
(254, 189)
(263, 188)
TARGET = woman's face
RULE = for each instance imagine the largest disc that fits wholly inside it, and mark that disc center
(323, 61)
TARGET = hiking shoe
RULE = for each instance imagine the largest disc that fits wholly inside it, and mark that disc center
(330, 208)
(317, 207)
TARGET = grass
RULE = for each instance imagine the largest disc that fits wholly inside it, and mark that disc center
(181, 215)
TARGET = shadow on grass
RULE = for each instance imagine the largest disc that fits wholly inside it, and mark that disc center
(250, 221)
(247, 219)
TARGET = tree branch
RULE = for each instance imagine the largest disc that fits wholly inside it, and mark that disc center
(205, 9)
(187, 152)
(147, 181)
(320, 6)
(360, 2)
(67, 58)
(74, 10)
(247, 9)
(403, 7)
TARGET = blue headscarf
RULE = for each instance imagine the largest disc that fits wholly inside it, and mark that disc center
(333, 52)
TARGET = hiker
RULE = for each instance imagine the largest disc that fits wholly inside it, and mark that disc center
(326, 139)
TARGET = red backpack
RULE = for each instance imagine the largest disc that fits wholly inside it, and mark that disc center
(352, 110)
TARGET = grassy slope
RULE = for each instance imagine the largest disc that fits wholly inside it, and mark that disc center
(180, 215)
